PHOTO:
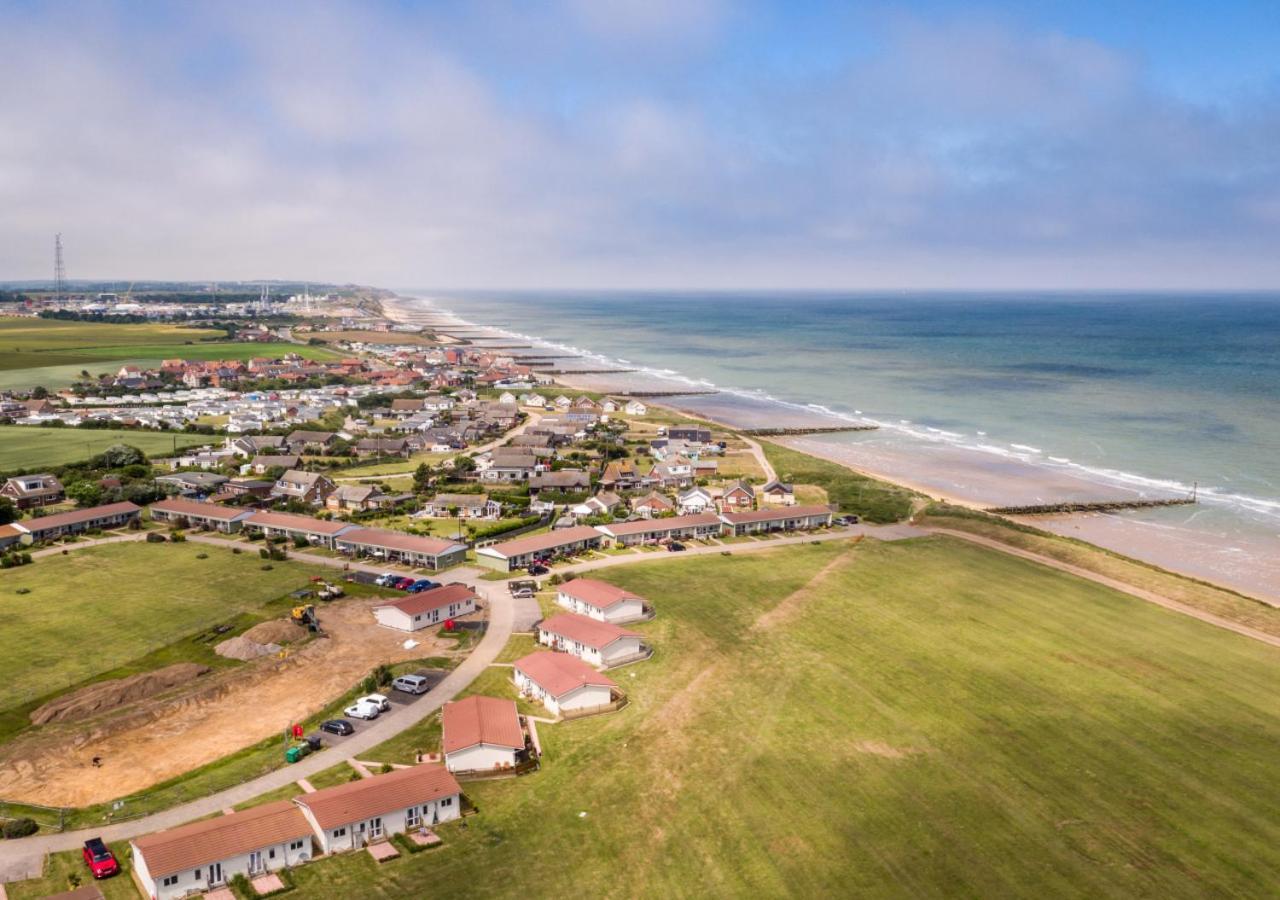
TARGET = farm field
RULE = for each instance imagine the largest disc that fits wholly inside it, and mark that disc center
(99, 608)
(921, 718)
(26, 447)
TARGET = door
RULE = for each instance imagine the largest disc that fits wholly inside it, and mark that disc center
(375, 828)
(255, 862)
(361, 840)
(215, 874)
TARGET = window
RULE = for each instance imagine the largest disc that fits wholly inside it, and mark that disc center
(271, 854)
(339, 832)
(197, 874)
(412, 817)
(169, 881)
(296, 845)
(447, 801)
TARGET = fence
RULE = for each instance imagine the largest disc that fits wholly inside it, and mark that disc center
(51, 817)
(619, 702)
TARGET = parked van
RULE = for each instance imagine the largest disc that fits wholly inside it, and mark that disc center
(411, 684)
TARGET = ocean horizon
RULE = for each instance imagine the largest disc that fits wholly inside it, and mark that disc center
(1002, 398)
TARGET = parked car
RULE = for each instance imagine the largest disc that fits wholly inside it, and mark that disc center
(385, 579)
(378, 700)
(99, 858)
(338, 726)
(403, 584)
(675, 547)
(362, 711)
(411, 684)
(423, 584)
(538, 569)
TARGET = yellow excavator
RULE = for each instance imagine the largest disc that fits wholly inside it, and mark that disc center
(306, 615)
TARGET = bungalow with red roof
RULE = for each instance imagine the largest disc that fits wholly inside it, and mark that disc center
(651, 531)
(427, 608)
(599, 643)
(786, 518)
(651, 505)
(602, 601)
(481, 734)
(110, 515)
(352, 815)
(397, 546)
(318, 532)
(738, 495)
(521, 552)
(194, 514)
(562, 683)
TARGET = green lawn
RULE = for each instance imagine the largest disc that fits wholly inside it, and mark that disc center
(59, 868)
(875, 501)
(923, 718)
(26, 447)
(100, 608)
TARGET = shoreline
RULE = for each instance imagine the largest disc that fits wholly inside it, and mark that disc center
(1125, 536)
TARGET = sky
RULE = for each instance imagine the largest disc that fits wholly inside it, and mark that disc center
(646, 143)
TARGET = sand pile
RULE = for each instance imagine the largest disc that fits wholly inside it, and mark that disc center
(243, 648)
(107, 695)
(277, 631)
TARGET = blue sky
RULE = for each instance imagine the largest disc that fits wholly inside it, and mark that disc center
(667, 143)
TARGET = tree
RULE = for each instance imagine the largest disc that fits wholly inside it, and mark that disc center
(422, 477)
(117, 456)
(39, 392)
(85, 493)
(8, 512)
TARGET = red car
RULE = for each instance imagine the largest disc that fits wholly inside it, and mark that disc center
(99, 858)
(403, 584)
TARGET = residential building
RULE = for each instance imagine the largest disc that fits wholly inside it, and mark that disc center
(204, 855)
(481, 734)
(209, 516)
(521, 552)
(569, 480)
(778, 492)
(698, 526)
(427, 609)
(192, 483)
(263, 463)
(562, 683)
(305, 487)
(362, 497)
(599, 643)
(693, 433)
(635, 408)
(468, 506)
(110, 515)
(602, 601)
(33, 491)
(318, 532)
(738, 496)
(397, 546)
(653, 504)
(695, 500)
(315, 442)
(787, 518)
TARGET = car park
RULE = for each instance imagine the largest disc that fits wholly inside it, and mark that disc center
(362, 711)
(378, 700)
(338, 726)
(99, 858)
(411, 684)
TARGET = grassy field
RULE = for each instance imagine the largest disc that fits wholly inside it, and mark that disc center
(875, 501)
(924, 718)
(99, 608)
(24, 446)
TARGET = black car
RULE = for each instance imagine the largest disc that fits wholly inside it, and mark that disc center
(338, 726)
(536, 569)
(675, 547)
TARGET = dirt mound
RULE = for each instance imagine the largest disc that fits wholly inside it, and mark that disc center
(277, 631)
(243, 649)
(107, 695)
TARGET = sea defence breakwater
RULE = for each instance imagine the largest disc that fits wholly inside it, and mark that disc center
(1048, 509)
(790, 432)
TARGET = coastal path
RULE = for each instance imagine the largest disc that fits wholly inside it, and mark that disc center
(758, 452)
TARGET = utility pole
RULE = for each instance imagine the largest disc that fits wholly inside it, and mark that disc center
(59, 270)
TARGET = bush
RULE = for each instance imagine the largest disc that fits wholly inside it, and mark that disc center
(177, 537)
(235, 550)
(20, 828)
(267, 568)
(382, 674)
(23, 590)
(202, 556)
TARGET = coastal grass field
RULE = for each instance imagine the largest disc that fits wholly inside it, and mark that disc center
(917, 718)
(873, 500)
(26, 447)
(98, 609)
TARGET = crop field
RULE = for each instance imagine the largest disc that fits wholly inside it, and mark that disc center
(27, 447)
(921, 718)
(99, 608)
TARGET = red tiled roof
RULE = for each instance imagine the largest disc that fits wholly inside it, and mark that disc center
(647, 525)
(297, 523)
(584, 630)
(481, 720)
(436, 598)
(599, 594)
(398, 540)
(560, 673)
(45, 523)
(549, 541)
(379, 795)
(771, 515)
(222, 837)
(181, 507)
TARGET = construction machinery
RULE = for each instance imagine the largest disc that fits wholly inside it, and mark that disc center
(306, 616)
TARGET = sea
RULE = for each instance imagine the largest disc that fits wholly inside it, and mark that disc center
(992, 399)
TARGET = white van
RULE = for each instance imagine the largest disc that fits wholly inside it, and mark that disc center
(411, 684)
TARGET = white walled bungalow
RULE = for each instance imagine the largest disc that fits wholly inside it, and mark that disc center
(602, 601)
(787, 518)
(651, 531)
(599, 643)
(350, 816)
(396, 546)
(318, 532)
(519, 553)
(481, 734)
(562, 683)
(427, 608)
(212, 516)
(110, 515)
(199, 856)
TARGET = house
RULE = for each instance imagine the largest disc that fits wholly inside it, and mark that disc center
(381, 447)
(695, 500)
(241, 487)
(481, 734)
(350, 816)
(785, 519)
(305, 487)
(601, 503)
(521, 552)
(697, 526)
(290, 526)
(694, 434)
(635, 408)
(510, 464)
(396, 546)
(207, 854)
(33, 491)
(602, 601)
(208, 516)
(570, 480)
(192, 483)
(738, 495)
(427, 608)
(534, 401)
(110, 515)
(359, 497)
(249, 447)
(506, 397)
(602, 644)
(778, 492)
(468, 506)
(652, 505)
(316, 442)
(563, 683)
(263, 463)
